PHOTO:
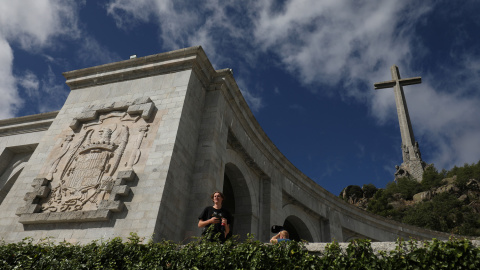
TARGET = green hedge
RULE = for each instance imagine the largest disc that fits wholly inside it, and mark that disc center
(250, 254)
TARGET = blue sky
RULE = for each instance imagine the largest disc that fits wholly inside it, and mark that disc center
(305, 67)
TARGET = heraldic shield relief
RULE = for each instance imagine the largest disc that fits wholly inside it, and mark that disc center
(86, 172)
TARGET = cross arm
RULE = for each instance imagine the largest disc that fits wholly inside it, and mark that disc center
(402, 82)
(387, 84)
(410, 81)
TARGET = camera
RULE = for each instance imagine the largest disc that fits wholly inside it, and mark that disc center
(219, 216)
(277, 228)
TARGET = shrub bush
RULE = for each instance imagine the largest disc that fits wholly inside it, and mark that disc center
(250, 254)
(432, 178)
(369, 190)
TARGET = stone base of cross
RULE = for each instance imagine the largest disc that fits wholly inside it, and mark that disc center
(413, 169)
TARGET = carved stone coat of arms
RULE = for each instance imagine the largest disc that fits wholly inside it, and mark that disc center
(87, 170)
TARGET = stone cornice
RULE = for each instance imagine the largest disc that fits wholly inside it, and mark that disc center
(26, 124)
(189, 58)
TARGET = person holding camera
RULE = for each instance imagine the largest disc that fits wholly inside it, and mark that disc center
(215, 219)
(282, 236)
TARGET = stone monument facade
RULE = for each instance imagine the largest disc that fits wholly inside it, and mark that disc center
(412, 165)
(139, 146)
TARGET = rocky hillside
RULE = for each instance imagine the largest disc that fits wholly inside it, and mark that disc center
(448, 201)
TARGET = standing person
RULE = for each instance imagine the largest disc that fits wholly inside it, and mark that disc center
(215, 219)
(280, 237)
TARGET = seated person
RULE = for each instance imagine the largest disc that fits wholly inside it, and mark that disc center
(282, 236)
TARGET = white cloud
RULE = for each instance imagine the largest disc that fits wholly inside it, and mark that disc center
(449, 123)
(127, 13)
(10, 100)
(93, 53)
(29, 82)
(253, 100)
(30, 25)
(177, 22)
(184, 23)
(340, 43)
(53, 93)
(331, 41)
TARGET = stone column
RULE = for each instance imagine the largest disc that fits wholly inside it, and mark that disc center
(208, 174)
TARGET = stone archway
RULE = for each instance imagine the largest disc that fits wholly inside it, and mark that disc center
(238, 200)
(229, 203)
(297, 229)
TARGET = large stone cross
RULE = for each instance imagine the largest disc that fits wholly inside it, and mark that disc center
(411, 152)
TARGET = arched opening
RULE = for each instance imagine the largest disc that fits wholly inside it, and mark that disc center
(237, 200)
(291, 230)
(297, 229)
(229, 202)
